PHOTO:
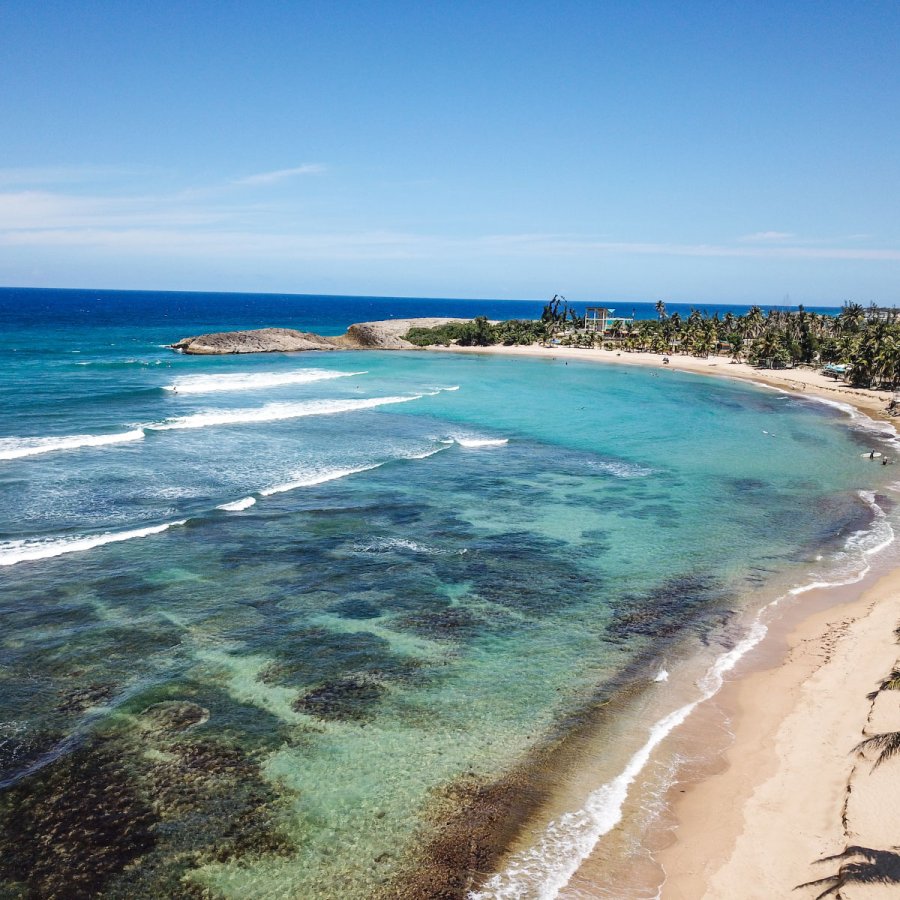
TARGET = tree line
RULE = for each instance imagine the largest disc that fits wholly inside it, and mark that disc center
(866, 343)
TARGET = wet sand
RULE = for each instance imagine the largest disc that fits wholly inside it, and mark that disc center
(793, 795)
(778, 803)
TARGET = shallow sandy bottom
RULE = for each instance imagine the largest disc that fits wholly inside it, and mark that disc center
(801, 381)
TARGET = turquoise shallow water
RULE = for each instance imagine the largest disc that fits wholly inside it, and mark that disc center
(426, 567)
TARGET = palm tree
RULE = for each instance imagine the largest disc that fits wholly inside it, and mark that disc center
(886, 744)
(660, 309)
(753, 322)
(851, 317)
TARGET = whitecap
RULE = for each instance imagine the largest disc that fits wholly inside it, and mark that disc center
(471, 443)
(12, 552)
(620, 469)
(388, 545)
(238, 505)
(17, 448)
(424, 454)
(249, 381)
(310, 479)
(275, 412)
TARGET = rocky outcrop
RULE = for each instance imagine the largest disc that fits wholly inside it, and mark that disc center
(262, 340)
(386, 335)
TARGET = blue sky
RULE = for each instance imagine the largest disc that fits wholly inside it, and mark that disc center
(632, 151)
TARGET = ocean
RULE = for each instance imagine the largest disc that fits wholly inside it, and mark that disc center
(334, 625)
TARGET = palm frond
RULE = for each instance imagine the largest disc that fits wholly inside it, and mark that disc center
(887, 745)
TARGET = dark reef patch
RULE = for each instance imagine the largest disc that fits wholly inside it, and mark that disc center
(65, 832)
(174, 715)
(83, 698)
(480, 821)
(349, 699)
(447, 623)
(692, 599)
(356, 608)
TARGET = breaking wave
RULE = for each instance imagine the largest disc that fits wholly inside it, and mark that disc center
(238, 505)
(275, 412)
(12, 552)
(472, 443)
(17, 448)
(312, 478)
(251, 381)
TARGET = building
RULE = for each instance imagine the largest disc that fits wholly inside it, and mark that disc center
(882, 314)
(600, 319)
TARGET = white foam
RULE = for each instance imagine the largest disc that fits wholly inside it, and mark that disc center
(473, 443)
(661, 675)
(251, 381)
(313, 478)
(238, 505)
(884, 430)
(275, 412)
(12, 552)
(424, 454)
(17, 448)
(386, 545)
(622, 469)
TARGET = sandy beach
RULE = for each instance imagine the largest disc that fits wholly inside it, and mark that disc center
(789, 808)
(793, 798)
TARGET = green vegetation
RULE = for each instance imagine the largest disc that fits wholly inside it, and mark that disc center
(866, 343)
(479, 333)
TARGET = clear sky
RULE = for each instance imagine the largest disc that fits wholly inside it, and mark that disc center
(733, 152)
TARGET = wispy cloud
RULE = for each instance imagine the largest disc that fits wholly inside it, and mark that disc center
(39, 176)
(217, 224)
(190, 234)
(281, 174)
(767, 236)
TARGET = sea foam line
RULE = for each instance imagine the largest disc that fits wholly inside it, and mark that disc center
(313, 478)
(16, 448)
(12, 552)
(249, 381)
(275, 412)
(238, 505)
(884, 430)
(543, 870)
(471, 443)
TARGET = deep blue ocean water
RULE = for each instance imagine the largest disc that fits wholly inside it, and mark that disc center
(288, 615)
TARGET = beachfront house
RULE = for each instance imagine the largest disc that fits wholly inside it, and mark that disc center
(882, 314)
(600, 320)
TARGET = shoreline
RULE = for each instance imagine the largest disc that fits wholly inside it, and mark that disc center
(797, 794)
(789, 795)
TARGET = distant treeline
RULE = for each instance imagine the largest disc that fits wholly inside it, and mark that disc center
(866, 340)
